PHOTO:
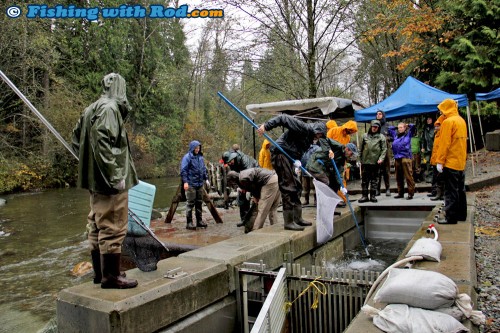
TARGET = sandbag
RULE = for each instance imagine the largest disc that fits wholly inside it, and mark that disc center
(417, 288)
(428, 248)
(400, 318)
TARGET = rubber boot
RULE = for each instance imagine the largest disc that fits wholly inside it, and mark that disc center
(297, 217)
(96, 265)
(439, 194)
(201, 224)
(364, 196)
(189, 217)
(289, 223)
(373, 196)
(111, 279)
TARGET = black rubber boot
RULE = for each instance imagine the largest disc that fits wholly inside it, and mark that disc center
(297, 217)
(190, 226)
(439, 195)
(373, 197)
(364, 196)
(96, 265)
(289, 223)
(201, 224)
(111, 279)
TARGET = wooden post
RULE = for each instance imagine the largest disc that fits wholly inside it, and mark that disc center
(179, 197)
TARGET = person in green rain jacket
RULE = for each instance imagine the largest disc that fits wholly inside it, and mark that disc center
(106, 169)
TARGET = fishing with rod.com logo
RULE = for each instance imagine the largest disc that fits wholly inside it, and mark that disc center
(123, 11)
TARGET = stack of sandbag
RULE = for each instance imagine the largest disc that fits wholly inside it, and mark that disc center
(421, 301)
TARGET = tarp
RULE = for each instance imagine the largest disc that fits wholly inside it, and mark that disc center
(411, 98)
(312, 107)
(495, 94)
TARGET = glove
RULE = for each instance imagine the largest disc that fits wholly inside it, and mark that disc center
(343, 190)
(358, 164)
(439, 168)
(207, 182)
(297, 164)
(248, 196)
(120, 186)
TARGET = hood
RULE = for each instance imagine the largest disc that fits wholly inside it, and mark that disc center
(319, 127)
(382, 121)
(115, 87)
(193, 144)
(375, 123)
(439, 121)
(351, 125)
(449, 107)
(331, 124)
(265, 144)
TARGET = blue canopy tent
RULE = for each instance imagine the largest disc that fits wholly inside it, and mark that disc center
(411, 98)
(495, 94)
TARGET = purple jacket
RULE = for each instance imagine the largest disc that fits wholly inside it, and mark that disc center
(401, 145)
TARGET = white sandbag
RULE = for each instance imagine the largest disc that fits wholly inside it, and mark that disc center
(400, 318)
(428, 248)
(417, 288)
(454, 311)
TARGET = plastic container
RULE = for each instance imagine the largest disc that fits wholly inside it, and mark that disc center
(140, 202)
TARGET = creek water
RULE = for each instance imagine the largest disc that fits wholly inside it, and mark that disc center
(41, 240)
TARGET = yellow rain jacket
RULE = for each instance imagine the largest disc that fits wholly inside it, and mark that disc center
(265, 155)
(437, 135)
(339, 133)
(452, 150)
(330, 124)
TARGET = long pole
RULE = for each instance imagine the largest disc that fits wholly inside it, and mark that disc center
(265, 135)
(134, 217)
(38, 114)
(350, 208)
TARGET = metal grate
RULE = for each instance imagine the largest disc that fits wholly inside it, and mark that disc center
(344, 294)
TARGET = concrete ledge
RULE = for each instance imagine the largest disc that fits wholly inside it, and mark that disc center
(147, 308)
(457, 262)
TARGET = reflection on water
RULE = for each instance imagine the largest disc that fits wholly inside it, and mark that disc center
(46, 241)
(383, 253)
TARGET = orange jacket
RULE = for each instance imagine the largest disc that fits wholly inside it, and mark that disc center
(437, 135)
(265, 155)
(452, 150)
(330, 124)
(339, 133)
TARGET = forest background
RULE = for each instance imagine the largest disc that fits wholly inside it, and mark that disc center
(261, 51)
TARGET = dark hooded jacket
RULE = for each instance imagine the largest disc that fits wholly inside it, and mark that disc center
(427, 140)
(383, 123)
(298, 136)
(320, 162)
(193, 169)
(373, 145)
(100, 141)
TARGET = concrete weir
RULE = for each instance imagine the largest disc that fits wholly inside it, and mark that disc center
(202, 296)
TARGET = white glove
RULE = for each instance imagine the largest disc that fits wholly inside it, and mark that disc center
(358, 164)
(248, 196)
(439, 168)
(207, 182)
(297, 164)
(120, 186)
(343, 190)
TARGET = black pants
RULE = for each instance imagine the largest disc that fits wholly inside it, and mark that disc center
(455, 200)
(288, 181)
(369, 178)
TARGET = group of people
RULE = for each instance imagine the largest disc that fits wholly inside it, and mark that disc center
(107, 170)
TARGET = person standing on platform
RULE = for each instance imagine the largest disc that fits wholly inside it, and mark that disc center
(372, 152)
(437, 192)
(451, 159)
(401, 147)
(265, 155)
(106, 169)
(194, 176)
(294, 141)
(426, 146)
(385, 168)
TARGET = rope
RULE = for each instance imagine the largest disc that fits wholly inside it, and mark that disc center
(317, 290)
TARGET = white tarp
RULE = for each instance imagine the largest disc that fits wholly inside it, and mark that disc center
(326, 201)
(326, 104)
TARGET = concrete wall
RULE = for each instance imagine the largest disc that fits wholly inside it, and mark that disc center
(197, 301)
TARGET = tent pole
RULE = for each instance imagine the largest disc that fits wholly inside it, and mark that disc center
(471, 135)
(480, 124)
